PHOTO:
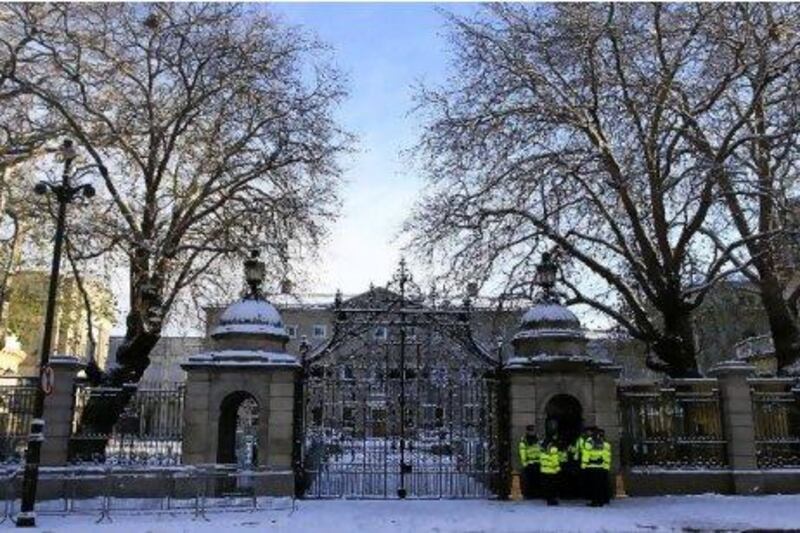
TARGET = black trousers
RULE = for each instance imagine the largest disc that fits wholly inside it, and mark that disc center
(597, 483)
(550, 487)
(572, 485)
(583, 484)
(530, 482)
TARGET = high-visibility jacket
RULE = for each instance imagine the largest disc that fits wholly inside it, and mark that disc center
(594, 456)
(528, 453)
(550, 459)
(575, 449)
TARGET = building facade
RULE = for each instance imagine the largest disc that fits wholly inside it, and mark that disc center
(24, 322)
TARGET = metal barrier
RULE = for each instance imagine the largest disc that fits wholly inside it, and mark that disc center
(673, 426)
(105, 491)
(776, 423)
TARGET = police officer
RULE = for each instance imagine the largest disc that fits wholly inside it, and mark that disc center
(596, 465)
(578, 479)
(550, 460)
(529, 452)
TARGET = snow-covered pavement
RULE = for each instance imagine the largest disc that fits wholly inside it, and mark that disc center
(706, 512)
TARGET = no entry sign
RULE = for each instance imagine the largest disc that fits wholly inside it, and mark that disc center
(48, 379)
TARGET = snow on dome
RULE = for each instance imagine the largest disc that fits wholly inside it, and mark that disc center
(549, 321)
(549, 315)
(242, 358)
(250, 316)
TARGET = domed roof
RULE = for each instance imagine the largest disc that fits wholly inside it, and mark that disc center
(250, 316)
(549, 315)
(548, 319)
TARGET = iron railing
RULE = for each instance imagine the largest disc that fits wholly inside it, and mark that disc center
(776, 423)
(673, 426)
(149, 430)
(16, 410)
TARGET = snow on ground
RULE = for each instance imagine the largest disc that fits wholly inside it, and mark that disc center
(667, 513)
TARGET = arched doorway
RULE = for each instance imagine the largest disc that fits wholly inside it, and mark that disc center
(238, 430)
(564, 417)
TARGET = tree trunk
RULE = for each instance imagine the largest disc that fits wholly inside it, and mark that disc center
(784, 330)
(101, 413)
(676, 346)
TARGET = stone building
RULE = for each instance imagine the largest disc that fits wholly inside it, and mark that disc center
(25, 322)
(166, 357)
(556, 384)
(731, 313)
(240, 392)
(311, 319)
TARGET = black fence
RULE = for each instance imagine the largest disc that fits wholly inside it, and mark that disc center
(776, 423)
(149, 431)
(672, 426)
(17, 399)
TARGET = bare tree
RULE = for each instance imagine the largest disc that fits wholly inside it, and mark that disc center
(748, 127)
(24, 135)
(210, 128)
(560, 128)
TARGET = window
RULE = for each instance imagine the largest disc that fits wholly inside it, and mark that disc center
(381, 333)
(348, 416)
(291, 331)
(320, 331)
(439, 417)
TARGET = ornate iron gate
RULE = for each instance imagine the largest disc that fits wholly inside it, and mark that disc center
(400, 403)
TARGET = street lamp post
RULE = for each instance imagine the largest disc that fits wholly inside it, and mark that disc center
(546, 273)
(64, 193)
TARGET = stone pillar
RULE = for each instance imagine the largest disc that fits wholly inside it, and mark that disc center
(522, 412)
(737, 423)
(606, 413)
(522, 396)
(58, 409)
(280, 421)
(198, 434)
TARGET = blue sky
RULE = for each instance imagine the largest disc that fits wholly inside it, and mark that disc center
(384, 49)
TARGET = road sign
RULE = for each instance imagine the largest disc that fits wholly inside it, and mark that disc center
(48, 380)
